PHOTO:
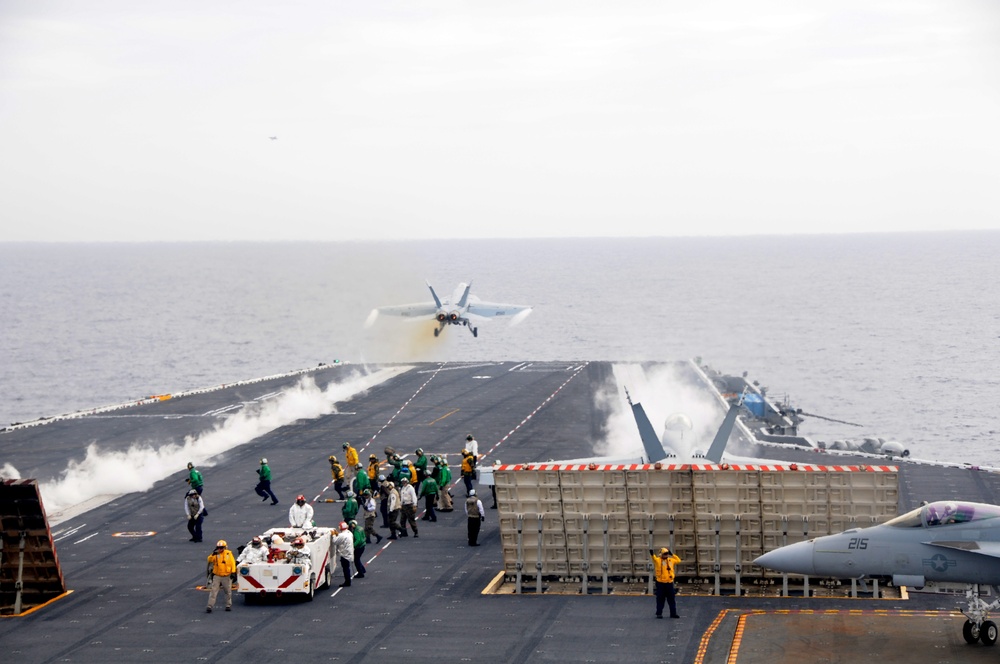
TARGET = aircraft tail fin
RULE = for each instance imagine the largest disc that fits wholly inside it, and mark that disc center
(464, 301)
(650, 441)
(722, 437)
(437, 300)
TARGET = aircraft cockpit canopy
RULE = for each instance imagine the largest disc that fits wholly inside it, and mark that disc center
(945, 513)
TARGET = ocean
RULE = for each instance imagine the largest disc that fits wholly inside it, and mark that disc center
(897, 332)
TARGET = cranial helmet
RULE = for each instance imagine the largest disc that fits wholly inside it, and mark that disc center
(346, 445)
(263, 460)
(469, 437)
(190, 465)
(192, 492)
(300, 498)
(255, 541)
(343, 525)
(221, 544)
(403, 480)
(472, 492)
(352, 523)
(333, 459)
(381, 478)
(419, 451)
(298, 542)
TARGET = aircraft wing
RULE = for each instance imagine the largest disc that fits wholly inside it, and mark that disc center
(418, 311)
(991, 549)
(494, 310)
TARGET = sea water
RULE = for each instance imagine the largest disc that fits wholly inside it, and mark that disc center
(897, 332)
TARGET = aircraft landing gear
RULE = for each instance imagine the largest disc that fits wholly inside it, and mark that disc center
(475, 332)
(437, 331)
(977, 627)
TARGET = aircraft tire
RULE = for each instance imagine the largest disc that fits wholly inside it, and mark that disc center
(970, 631)
(312, 588)
(437, 332)
(988, 633)
(327, 577)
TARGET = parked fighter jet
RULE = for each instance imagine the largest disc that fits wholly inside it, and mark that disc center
(462, 308)
(946, 541)
(657, 450)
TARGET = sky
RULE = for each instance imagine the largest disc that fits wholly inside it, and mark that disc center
(134, 121)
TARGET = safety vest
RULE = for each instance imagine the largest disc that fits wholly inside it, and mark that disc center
(664, 567)
(223, 564)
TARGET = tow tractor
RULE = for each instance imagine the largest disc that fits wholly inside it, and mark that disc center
(282, 573)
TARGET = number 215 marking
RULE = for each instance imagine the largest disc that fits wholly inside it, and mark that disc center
(859, 543)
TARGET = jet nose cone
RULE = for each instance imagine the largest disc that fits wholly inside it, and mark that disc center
(793, 559)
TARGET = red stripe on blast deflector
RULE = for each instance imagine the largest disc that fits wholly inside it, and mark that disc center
(289, 581)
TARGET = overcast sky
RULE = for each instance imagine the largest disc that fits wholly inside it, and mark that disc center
(124, 120)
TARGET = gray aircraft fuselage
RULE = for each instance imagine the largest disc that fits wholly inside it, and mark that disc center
(947, 541)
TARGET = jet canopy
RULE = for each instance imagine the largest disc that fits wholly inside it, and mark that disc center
(945, 513)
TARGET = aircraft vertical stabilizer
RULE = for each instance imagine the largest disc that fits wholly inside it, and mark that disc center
(437, 300)
(650, 441)
(464, 301)
(718, 447)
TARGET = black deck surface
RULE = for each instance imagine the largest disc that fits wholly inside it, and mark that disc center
(137, 599)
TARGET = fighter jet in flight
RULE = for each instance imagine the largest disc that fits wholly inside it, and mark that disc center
(462, 308)
(946, 541)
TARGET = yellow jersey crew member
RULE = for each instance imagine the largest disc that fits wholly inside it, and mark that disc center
(221, 574)
(663, 567)
(350, 460)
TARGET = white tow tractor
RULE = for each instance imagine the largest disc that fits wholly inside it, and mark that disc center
(284, 572)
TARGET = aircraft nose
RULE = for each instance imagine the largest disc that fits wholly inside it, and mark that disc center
(794, 559)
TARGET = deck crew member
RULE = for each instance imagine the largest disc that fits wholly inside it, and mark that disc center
(663, 568)
(429, 491)
(472, 445)
(421, 465)
(360, 481)
(359, 547)
(194, 510)
(370, 510)
(221, 574)
(442, 473)
(350, 458)
(300, 515)
(337, 471)
(383, 503)
(300, 554)
(350, 509)
(344, 544)
(393, 508)
(468, 470)
(408, 507)
(476, 515)
(195, 479)
(255, 553)
(263, 488)
(373, 468)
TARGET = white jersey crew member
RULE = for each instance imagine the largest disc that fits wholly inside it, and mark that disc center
(300, 515)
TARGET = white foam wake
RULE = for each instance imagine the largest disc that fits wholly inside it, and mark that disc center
(137, 469)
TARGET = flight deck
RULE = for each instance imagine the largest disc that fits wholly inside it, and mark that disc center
(137, 584)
